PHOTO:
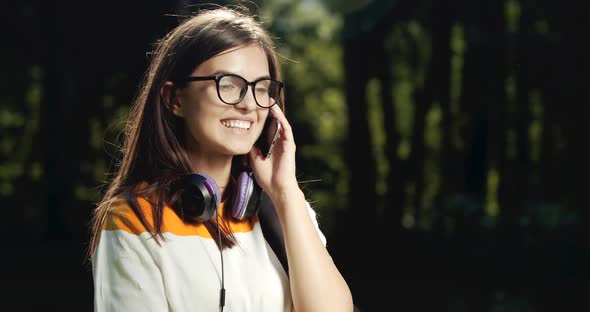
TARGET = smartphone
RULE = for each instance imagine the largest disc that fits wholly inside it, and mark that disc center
(269, 135)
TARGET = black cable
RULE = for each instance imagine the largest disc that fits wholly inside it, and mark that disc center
(222, 290)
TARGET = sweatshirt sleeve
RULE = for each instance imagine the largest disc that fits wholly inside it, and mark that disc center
(125, 272)
(314, 218)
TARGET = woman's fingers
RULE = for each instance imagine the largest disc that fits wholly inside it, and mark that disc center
(278, 114)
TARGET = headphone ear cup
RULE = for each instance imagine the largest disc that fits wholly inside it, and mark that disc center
(201, 197)
(246, 197)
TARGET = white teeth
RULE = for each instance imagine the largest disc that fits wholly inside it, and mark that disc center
(237, 124)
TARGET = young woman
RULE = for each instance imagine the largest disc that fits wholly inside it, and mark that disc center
(177, 229)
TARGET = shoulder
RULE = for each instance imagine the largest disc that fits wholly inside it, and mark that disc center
(314, 218)
(121, 216)
(311, 210)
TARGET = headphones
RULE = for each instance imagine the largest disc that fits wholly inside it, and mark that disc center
(200, 197)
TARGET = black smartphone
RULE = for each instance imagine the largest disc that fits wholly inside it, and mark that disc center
(269, 135)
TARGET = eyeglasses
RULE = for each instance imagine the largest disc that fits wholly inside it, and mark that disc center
(232, 89)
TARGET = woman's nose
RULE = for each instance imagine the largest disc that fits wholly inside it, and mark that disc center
(248, 102)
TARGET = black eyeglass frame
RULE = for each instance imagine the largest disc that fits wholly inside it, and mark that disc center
(217, 78)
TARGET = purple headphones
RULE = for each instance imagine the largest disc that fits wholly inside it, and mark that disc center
(201, 197)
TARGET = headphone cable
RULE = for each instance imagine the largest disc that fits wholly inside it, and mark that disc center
(222, 290)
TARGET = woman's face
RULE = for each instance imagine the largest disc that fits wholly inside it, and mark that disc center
(212, 127)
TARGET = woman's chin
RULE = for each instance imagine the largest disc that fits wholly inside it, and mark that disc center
(240, 150)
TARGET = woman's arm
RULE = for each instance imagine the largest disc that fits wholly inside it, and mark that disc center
(126, 277)
(316, 284)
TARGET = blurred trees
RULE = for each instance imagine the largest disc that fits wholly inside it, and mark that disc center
(311, 54)
(463, 119)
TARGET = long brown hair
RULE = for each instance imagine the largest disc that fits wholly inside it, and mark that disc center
(153, 152)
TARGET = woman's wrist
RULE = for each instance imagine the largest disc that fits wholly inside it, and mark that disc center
(286, 195)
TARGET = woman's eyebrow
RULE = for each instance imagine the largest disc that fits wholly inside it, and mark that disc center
(224, 72)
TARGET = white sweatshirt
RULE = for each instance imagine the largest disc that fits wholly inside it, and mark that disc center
(133, 273)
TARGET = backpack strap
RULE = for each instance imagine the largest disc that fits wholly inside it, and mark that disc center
(273, 232)
(271, 229)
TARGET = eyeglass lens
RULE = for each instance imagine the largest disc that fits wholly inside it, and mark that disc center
(232, 90)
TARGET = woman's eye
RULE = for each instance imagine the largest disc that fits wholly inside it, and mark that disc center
(261, 90)
(227, 87)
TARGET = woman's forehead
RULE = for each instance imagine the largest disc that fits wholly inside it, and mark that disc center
(249, 61)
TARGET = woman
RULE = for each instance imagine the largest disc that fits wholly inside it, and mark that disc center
(166, 236)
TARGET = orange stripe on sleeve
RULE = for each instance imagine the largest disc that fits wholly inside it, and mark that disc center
(122, 217)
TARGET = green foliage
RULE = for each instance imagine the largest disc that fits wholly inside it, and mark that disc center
(409, 212)
(536, 126)
(106, 140)
(510, 87)
(312, 66)
(11, 119)
(512, 13)
(432, 176)
(19, 124)
(378, 135)
(346, 6)
(408, 45)
(492, 208)
(458, 46)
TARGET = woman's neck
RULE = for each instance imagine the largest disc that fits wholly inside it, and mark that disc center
(218, 168)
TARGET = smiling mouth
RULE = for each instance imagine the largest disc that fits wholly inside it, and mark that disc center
(237, 124)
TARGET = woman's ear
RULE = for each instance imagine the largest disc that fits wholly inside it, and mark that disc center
(170, 98)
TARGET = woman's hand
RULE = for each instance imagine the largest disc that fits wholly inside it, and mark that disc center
(276, 174)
